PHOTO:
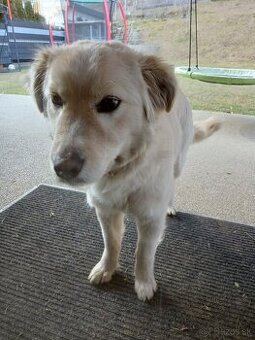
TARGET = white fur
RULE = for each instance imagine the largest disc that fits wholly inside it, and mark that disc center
(145, 192)
(132, 156)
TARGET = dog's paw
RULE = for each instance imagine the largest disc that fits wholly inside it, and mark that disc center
(171, 211)
(145, 289)
(100, 274)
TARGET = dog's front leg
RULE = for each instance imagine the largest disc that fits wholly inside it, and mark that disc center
(112, 227)
(149, 236)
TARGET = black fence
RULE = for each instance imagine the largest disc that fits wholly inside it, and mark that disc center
(22, 39)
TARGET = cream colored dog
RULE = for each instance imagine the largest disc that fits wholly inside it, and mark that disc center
(121, 125)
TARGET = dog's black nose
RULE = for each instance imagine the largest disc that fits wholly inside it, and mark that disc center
(68, 167)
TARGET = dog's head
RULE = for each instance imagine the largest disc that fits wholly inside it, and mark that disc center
(101, 100)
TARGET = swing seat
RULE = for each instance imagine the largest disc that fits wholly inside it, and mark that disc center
(227, 76)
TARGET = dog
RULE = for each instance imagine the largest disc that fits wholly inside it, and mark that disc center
(120, 125)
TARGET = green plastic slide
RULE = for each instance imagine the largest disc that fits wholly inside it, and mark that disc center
(228, 76)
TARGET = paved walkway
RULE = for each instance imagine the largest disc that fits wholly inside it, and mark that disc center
(218, 181)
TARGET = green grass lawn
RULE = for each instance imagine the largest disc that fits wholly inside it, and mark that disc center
(12, 83)
(221, 98)
(203, 96)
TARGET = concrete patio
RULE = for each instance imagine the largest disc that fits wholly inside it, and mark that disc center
(218, 181)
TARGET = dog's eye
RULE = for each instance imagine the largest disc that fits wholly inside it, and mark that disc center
(108, 104)
(57, 100)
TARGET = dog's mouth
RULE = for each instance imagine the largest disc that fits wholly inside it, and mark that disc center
(74, 182)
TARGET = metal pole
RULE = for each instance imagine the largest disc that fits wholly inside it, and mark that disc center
(107, 21)
(9, 9)
(73, 24)
(196, 33)
(13, 33)
(66, 22)
(190, 33)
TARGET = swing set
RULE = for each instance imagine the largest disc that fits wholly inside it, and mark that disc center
(227, 76)
(108, 8)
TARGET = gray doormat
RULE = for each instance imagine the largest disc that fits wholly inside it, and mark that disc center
(50, 240)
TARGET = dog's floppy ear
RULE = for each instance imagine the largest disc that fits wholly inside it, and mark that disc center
(161, 84)
(37, 76)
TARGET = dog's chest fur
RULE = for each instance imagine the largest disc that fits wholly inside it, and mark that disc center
(149, 177)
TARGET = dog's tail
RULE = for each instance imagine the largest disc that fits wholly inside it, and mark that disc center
(205, 128)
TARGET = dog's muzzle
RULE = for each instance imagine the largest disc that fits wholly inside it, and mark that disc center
(69, 166)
